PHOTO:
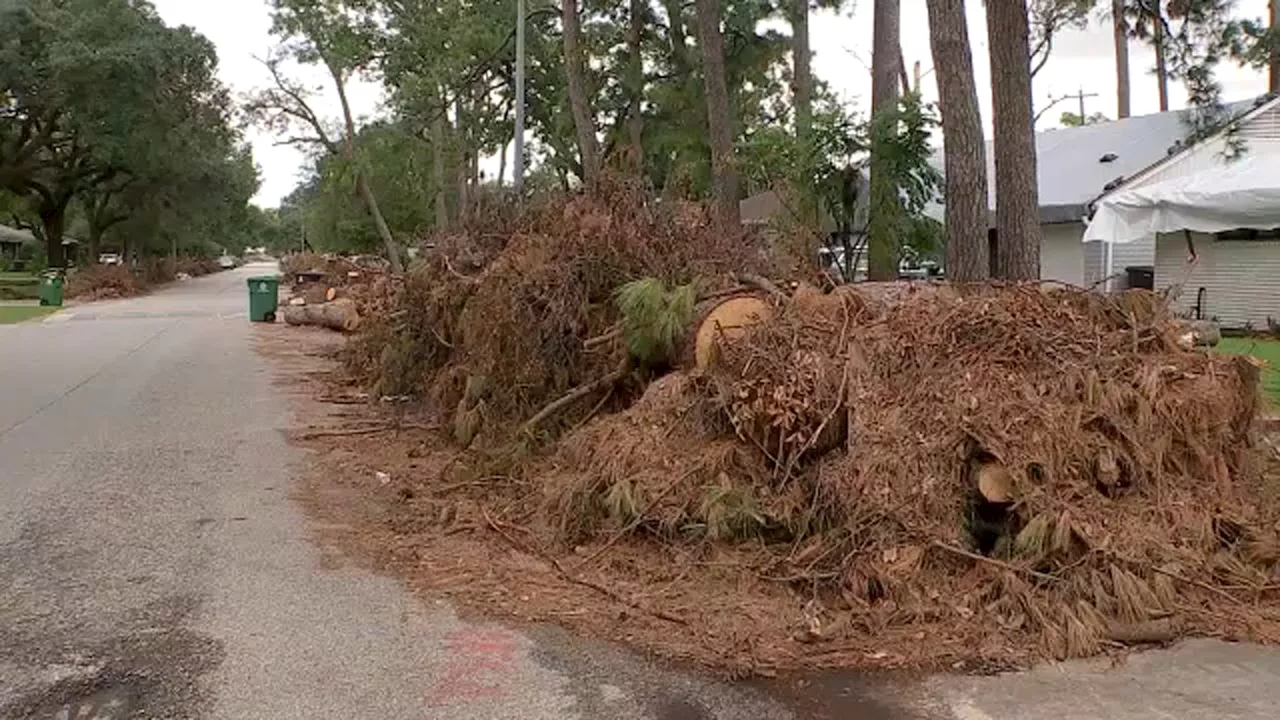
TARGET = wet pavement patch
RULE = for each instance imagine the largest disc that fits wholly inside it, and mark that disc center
(88, 701)
(106, 704)
(152, 671)
(679, 709)
(846, 695)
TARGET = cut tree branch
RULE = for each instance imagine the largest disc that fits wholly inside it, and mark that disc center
(1052, 102)
(575, 395)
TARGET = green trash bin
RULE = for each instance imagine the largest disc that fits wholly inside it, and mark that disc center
(264, 298)
(51, 289)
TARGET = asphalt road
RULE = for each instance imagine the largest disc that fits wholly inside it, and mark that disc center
(152, 565)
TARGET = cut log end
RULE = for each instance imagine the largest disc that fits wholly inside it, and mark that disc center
(995, 482)
(729, 319)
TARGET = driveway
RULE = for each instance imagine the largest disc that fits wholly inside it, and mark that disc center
(153, 565)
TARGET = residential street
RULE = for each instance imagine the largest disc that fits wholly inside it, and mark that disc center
(154, 565)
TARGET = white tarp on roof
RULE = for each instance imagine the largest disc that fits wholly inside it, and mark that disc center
(1244, 193)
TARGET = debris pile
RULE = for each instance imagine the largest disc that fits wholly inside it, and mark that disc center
(496, 326)
(109, 282)
(919, 471)
(103, 282)
(1002, 473)
(333, 291)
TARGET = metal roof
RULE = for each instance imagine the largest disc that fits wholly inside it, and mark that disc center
(1069, 161)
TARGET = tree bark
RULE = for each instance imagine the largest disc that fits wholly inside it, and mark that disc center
(576, 74)
(366, 194)
(886, 55)
(1162, 69)
(95, 242)
(362, 183)
(964, 150)
(635, 81)
(96, 229)
(1121, 38)
(53, 220)
(337, 314)
(437, 169)
(801, 60)
(676, 34)
(1273, 65)
(462, 168)
(502, 163)
(724, 170)
(1017, 196)
(802, 92)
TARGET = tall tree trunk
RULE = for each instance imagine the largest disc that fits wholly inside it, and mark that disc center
(724, 167)
(576, 74)
(93, 216)
(635, 81)
(371, 202)
(461, 167)
(964, 151)
(1273, 66)
(802, 92)
(53, 220)
(1017, 196)
(801, 60)
(1162, 69)
(902, 71)
(1120, 34)
(437, 170)
(886, 55)
(502, 163)
(95, 242)
(366, 192)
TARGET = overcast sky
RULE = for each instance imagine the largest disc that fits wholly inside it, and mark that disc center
(842, 57)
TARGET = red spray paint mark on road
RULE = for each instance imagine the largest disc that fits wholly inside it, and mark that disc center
(480, 660)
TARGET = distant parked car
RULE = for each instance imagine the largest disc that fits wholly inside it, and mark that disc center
(226, 262)
(110, 259)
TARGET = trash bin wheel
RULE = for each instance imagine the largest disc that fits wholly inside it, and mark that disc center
(269, 317)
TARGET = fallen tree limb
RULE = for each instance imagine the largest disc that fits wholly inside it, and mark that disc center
(349, 432)
(760, 283)
(636, 522)
(613, 334)
(344, 432)
(735, 290)
(338, 314)
(995, 562)
(1202, 585)
(573, 396)
(344, 399)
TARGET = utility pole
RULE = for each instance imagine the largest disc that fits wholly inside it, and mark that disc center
(1081, 95)
(517, 167)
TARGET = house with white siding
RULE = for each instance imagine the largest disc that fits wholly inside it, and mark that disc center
(1214, 223)
(1076, 167)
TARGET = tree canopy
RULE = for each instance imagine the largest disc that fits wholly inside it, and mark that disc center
(111, 118)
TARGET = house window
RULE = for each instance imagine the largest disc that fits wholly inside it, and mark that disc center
(1248, 234)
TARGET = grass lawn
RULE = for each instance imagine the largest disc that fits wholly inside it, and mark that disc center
(18, 313)
(1266, 350)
